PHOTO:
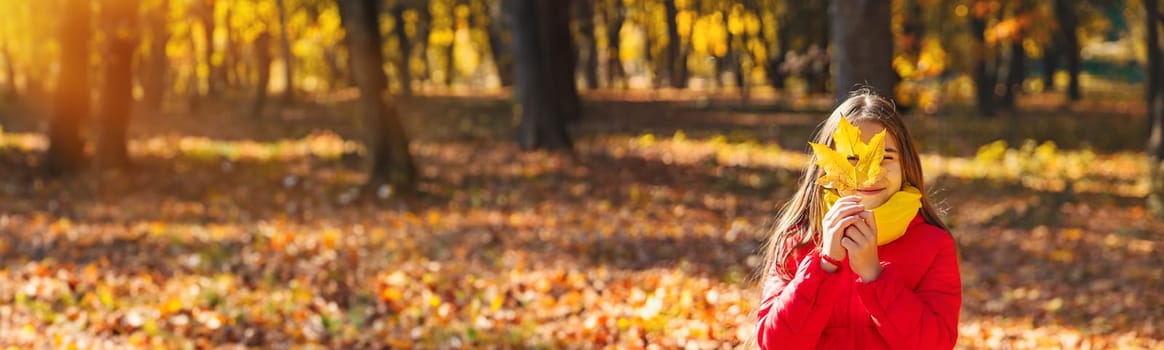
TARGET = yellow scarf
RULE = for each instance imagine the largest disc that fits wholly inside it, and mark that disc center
(893, 217)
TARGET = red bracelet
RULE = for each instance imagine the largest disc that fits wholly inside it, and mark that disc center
(830, 260)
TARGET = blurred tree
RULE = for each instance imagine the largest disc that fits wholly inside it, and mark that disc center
(31, 46)
(726, 60)
(263, 59)
(909, 33)
(587, 48)
(777, 47)
(9, 70)
(804, 39)
(1065, 13)
(285, 49)
(119, 20)
(985, 77)
(499, 41)
(1016, 54)
(66, 152)
(154, 66)
(546, 94)
(203, 12)
(455, 24)
(1155, 96)
(1051, 48)
(194, 66)
(613, 16)
(862, 46)
(424, 29)
(676, 50)
(404, 49)
(385, 140)
(227, 73)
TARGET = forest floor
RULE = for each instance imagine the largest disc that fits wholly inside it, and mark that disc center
(236, 230)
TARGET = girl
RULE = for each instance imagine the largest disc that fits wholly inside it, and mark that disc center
(864, 266)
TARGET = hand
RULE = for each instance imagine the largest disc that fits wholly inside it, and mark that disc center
(860, 241)
(842, 215)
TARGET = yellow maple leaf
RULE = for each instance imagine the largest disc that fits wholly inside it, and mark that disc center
(840, 172)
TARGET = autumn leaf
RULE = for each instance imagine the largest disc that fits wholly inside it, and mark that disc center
(841, 173)
(537, 250)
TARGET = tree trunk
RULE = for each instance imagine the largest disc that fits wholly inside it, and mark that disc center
(540, 29)
(1155, 96)
(913, 30)
(403, 70)
(450, 53)
(1050, 63)
(862, 46)
(563, 62)
(335, 71)
(913, 34)
(156, 65)
(387, 144)
(984, 77)
(423, 29)
(1015, 72)
(242, 67)
(499, 43)
(738, 63)
(614, 18)
(206, 18)
(676, 63)
(450, 63)
(769, 64)
(722, 63)
(230, 55)
(820, 69)
(288, 58)
(1068, 22)
(195, 86)
(117, 91)
(66, 149)
(263, 60)
(589, 46)
(776, 74)
(9, 71)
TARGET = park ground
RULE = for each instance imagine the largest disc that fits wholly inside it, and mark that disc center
(240, 231)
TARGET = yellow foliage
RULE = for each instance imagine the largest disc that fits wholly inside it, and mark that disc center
(699, 36)
(840, 171)
(735, 24)
(683, 22)
(752, 24)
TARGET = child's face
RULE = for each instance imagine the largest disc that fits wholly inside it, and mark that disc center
(876, 195)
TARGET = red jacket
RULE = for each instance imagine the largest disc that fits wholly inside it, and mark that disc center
(913, 304)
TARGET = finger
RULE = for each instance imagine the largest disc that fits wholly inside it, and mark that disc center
(849, 244)
(845, 223)
(870, 221)
(857, 235)
(853, 199)
(865, 226)
(869, 218)
(849, 199)
(836, 213)
(852, 230)
(838, 206)
(844, 210)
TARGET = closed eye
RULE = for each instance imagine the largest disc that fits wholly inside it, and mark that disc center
(889, 153)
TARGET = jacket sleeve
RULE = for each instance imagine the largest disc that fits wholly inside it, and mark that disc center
(793, 313)
(922, 318)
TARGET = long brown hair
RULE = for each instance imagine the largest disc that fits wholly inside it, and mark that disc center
(799, 221)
